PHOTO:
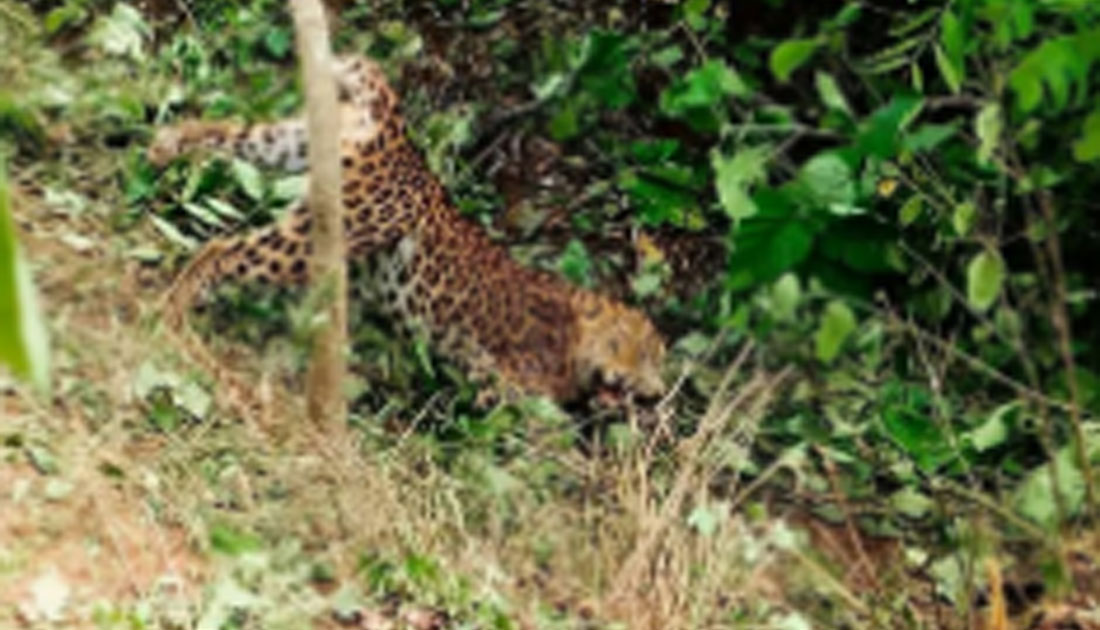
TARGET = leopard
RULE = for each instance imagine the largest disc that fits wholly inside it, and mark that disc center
(516, 330)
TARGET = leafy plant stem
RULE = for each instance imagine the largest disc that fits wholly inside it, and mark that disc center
(1060, 319)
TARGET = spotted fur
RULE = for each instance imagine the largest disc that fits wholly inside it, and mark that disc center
(426, 266)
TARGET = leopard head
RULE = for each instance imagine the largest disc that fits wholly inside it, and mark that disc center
(618, 346)
(362, 82)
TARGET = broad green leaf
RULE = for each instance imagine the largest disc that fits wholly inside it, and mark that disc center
(829, 93)
(837, 324)
(735, 175)
(1087, 147)
(24, 345)
(984, 278)
(791, 55)
(828, 180)
(988, 124)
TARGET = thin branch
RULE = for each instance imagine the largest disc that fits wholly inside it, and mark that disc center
(328, 268)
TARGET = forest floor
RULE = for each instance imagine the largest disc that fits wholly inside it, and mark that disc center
(106, 520)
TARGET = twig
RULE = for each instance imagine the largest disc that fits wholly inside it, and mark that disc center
(978, 365)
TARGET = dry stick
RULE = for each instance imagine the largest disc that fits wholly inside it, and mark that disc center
(324, 386)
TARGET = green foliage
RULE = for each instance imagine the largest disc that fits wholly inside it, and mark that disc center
(791, 55)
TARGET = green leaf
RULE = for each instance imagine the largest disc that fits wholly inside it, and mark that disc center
(248, 176)
(278, 42)
(837, 324)
(984, 278)
(786, 294)
(953, 40)
(121, 33)
(948, 71)
(1034, 498)
(911, 210)
(667, 56)
(605, 68)
(994, 431)
(24, 345)
(828, 180)
(735, 175)
(928, 137)
(564, 125)
(1055, 64)
(65, 15)
(918, 435)
(232, 542)
(962, 219)
(702, 88)
(575, 263)
(656, 201)
(879, 134)
(791, 55)
(911, 503)
(172, 233)
(988, 124)
(770, 243)
(705, 519)
(1087, 147)
(829, 93)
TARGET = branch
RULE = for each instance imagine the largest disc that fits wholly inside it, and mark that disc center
(328, 269)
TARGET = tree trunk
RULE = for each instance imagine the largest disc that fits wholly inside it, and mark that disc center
(328, 269)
